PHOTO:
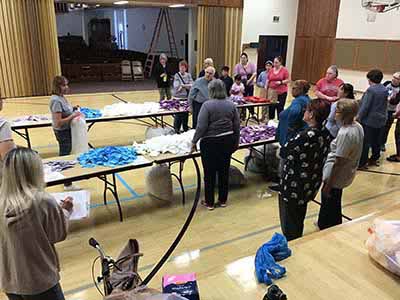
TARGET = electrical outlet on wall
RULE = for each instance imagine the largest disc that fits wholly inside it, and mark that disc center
(275, 19)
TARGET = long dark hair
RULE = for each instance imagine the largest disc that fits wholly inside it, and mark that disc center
(348, 90)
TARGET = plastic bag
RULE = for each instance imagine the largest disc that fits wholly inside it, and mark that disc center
(265, 261)
(383, 244)
(79, 135)
(143, 294)
(152, 132)
(159, 182)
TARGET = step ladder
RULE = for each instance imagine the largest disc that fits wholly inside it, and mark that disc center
(163, 15)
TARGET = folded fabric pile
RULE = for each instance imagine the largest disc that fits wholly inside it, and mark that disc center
(251, 134)
(238, 100)
(175, 144)
(108, 156)
(130, 109)
(91, 113)
(265, 262)
(174, 104)
(60, 165)
(32, 118)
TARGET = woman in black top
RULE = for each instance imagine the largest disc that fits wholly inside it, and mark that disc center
(163, 77)
(301, 179)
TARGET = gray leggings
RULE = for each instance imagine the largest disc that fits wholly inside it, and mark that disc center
(55, 293)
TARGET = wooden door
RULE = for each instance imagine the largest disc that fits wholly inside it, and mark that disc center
(315, 40)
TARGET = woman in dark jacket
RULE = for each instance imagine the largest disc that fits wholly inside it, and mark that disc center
(301, 179)
(218, 130)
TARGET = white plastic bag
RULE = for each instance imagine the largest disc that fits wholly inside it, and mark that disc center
(79, 134)
(383, 244)
(159, 182)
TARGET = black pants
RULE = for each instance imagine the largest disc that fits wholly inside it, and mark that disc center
(195, 113)
(372, 139)
(279, 107)
(397, 137)
(292, 218)
(55, 293)
(386, 129)
(181, 120)
(330, 213)
(64, 140)
(216, 155)
(249, 91)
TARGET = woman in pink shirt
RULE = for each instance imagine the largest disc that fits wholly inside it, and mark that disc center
(278, 79)
(327, 88)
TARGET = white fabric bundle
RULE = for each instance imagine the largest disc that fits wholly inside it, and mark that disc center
(130, 109)
(79, 135)
(176, 144)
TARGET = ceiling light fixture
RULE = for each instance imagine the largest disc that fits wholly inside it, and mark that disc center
(121, 2)
(176, 5)
(98, 5)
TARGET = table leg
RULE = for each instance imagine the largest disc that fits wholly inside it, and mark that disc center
(179, 178)
(112, 187)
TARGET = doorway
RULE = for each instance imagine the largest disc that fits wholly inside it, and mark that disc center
(271, 46)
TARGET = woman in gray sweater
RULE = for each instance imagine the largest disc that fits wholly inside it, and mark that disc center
(31, 222)
(218, 129)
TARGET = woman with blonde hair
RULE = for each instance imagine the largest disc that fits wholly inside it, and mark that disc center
(31, 222)
(62, 114)
(342, 162)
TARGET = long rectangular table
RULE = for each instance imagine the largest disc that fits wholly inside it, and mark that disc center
(77, 173)
(22, 128)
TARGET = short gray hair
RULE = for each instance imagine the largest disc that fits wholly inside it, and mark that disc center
(335, 69)
(216, 89)
(163, 55)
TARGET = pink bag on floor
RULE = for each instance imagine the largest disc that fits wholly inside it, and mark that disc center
(184, 285)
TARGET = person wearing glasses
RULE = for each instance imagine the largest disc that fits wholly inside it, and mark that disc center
(341, 165)
(199, 94)
(304, 157)
(327, 88)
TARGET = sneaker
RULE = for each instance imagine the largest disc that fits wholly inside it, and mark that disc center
(275, 187)
(207, 206)
(373, 163)
(72, 188)
(220, 204)
(363, 167)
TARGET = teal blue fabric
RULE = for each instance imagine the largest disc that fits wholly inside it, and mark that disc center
(108, 156)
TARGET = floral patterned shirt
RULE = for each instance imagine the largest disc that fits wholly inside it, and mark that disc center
(305, 155)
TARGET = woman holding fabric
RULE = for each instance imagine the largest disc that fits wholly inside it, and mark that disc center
(31, 222)
(278, 79)
(62, 114)
(304, 157)
(218, 130)
(327, 88)
(182, 84)
(248, 73)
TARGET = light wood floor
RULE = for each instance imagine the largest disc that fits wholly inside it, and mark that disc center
(217, 243)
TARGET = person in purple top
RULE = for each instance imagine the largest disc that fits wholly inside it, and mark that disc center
(248, 72)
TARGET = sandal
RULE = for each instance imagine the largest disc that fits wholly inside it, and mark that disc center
(393, 158)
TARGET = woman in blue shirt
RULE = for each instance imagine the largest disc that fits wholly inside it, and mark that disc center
(291, 119)
(261, 81)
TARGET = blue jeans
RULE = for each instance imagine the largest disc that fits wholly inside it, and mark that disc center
(55, 293)
(64, 140)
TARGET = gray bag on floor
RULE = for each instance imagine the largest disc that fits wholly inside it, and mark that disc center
(236, 177)
(159, 182)
(269, 166)
(158, 131)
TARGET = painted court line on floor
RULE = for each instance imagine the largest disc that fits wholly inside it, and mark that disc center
(229, 241)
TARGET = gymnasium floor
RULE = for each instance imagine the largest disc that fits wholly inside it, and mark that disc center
(218, 246)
